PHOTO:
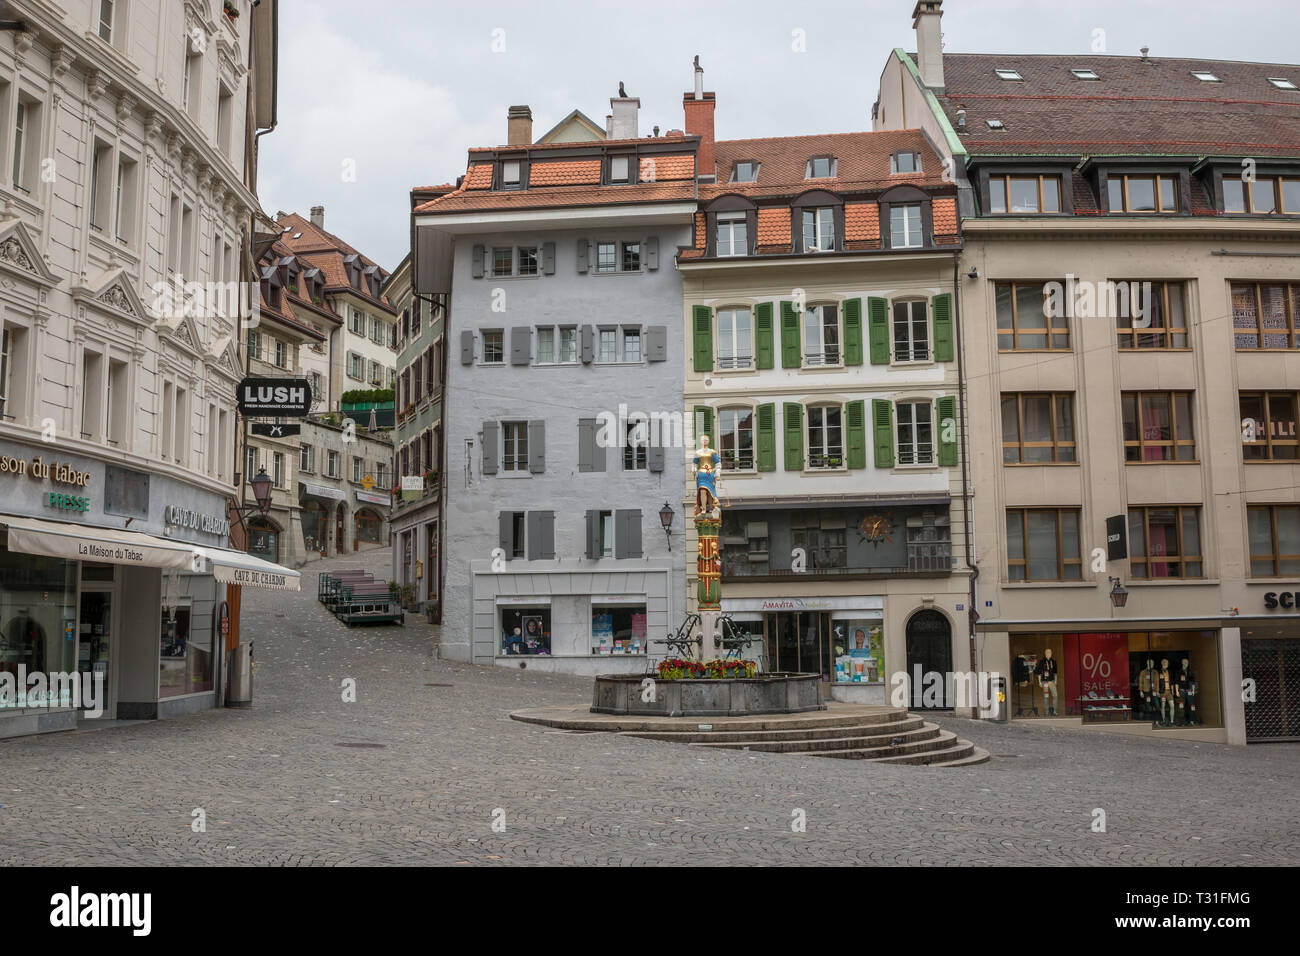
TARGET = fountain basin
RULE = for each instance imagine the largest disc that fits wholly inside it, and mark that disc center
(707, 697)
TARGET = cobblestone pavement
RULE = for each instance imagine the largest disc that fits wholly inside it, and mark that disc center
(438, 756)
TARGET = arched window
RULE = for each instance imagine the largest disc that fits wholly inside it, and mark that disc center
(905, 218)
(732, 226)
(817, 222)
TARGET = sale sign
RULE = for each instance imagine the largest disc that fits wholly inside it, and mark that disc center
(1103, 665)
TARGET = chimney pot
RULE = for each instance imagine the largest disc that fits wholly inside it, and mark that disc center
(961, 119)
(926, 16)
(318, 216)
(519, 126)
(1145, 51)
(699, 79)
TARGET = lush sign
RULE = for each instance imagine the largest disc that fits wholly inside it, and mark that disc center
(274, 396)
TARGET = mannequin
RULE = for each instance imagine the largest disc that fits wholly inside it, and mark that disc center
(1046, 673)
(1165, 693)
(1186, 683)
(1146, 686)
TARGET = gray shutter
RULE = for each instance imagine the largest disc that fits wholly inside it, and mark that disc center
(655, 452)
(476, 263)
(467, 347)
(583, 245)
(627, 534)
(506, 528)
(548, 258)
(597, 449)
(532, 534)
(652, 253)
(656, 343)
(586, 443)
(545, 549)
(537, 447)
(593, 534)
(490, 443)
(588, 344)
(520, 345)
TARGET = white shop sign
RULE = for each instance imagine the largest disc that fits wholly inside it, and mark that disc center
(804, 604)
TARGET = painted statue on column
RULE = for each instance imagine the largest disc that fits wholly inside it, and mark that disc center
(708, 523)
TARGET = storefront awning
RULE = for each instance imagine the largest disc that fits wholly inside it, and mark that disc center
(236, 567)
(320, 491)
(59, 539)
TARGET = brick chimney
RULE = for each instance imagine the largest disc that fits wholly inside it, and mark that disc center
(318, 216)
(519, 126)
(929, 41)
(698, 107)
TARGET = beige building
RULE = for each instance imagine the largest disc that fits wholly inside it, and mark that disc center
(1130, 321)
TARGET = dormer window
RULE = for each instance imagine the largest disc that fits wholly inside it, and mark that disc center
(1205, 76)
(1282, 83)
(1024, 195)
(905, 226)
(1267, 194)
(620, 169)
(510, 174)
(1149, 194)
(820, 167)
(746, 172)
(1085, 74)
(1008, 75)
(905, 163)
(732, 234)
(819, 229)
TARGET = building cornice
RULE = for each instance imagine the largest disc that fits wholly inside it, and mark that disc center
(1109, 227)
(566, 217)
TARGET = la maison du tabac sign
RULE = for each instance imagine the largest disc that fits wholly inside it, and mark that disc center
(56, 472)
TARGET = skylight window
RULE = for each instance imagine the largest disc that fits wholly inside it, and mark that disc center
(1205, 76)
(1008, 75)
(744, 172)
(1282, 83)
(1084, 74)
(995, 124)
(820, 167)
(297, 235)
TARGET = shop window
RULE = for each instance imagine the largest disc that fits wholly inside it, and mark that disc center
(1158, 426)
(38, 609)
(1266, 315)
(859, 651)
(1030, 317)
(1038, 428)
(1043, 544)
(263, 540)
(315, 527)
(368, 525)
(525, 630)
(1149, 315)
(185, 656)
(618, 629)
(1274, 540)
(1165, 543)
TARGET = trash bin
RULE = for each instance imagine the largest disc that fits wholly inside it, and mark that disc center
(239, 677)
(997, 700)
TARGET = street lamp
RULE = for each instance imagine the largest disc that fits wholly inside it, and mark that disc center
(1118, 593)
(262, 490)
(666, 519)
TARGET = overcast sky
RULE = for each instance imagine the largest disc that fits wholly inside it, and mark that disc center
(377, 97)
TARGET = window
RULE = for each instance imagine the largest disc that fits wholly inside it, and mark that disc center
(1008, 74)
(503, 262)
(545, 345)
(1021, 195)
(100, 169)
(224, 108)
(5, 372)
(1266, 315)
(735, 339)
(376, 373)
(631, 257)
(358, 469)
(528, 260)
(1274, 540)
(510, 173)
(608, 345)
(1043, 544)
(820, 167)
(736, 438)
(606, 256)
(514, 451)
(106, 20)
(191, 82)
(307, 458)
(825, 437)
(905, 226)
(636, 448)
(1205, 76)
(1150, 315)
(606, 534)
(733, 234)
(618, 629)
(281, 355)
(1165, 542)
(277, 469)
(995, 124)
(254, 344)
(911, 332)
(568, 345)
(631, 345)
(1267, 194)
(1030, 318)
(819, 229)
(915, 433)
(381, 475)
(1158, 426)
(356, 367)
(331, 464)
(1142, 194)
(494, 349)
(124, 200)
(619, 169)
(1268, 426)
(1085, 74)
(356, 322)
(117, 406)
(22, 137)
(1282, 83)
(250, 463)
(744, 172)
(905, 163)
(1037, 428)
(821, 335)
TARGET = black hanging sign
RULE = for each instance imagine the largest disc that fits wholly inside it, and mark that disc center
(289, 397)
(271, 430)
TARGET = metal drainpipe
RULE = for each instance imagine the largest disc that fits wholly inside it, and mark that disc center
(973, 615)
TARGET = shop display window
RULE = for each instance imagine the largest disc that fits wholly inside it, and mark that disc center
(185, 659)
(859, 651)
(618, 629)
(525, 630)
(37, 618)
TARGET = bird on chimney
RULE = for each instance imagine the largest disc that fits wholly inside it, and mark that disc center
(697, 61)
(622, 94)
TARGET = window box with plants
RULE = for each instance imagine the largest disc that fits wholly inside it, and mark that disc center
(230, 10)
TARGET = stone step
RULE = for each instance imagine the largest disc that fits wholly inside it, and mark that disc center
(979, 756)
(743, 738)
(935, 739)
(958, 752)
(841, 716)
(851, 741)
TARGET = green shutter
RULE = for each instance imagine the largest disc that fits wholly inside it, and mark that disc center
(763, 357)
(878, 329)
(947, 407)
(767, 436)
(702, 317)
(856, 413)
(790, 356)
(882, 420)
(941, 308)
(704, 426)
(793, 413)
(852, 331)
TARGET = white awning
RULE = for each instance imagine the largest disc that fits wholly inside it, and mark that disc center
(60, 539)
(322, 491)
(236, 567)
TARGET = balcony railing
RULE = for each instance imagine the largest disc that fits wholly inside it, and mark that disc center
(828, 356)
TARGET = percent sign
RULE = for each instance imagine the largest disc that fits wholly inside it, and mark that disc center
(1096, 666)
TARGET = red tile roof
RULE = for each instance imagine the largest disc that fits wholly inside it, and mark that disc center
(577, 173)
(326, 251)
(773, 226)
(862, 221)
(661, 168)
(944, 213)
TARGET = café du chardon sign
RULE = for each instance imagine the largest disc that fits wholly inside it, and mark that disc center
(289, 397)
